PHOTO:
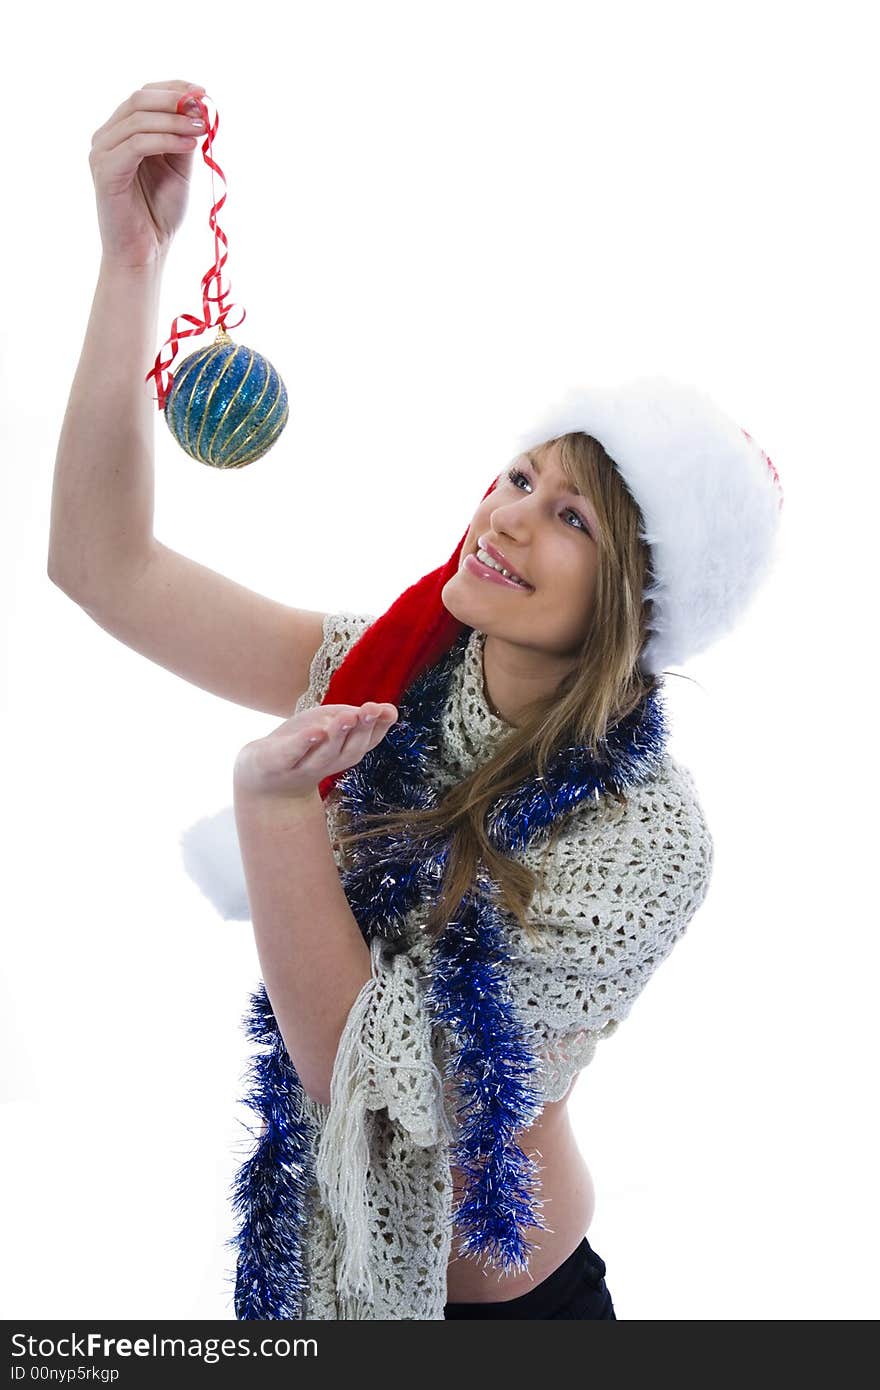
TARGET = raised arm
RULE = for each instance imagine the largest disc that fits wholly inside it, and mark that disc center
(102, 550)
(101, 529)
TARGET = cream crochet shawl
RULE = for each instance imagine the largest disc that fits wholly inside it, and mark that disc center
(616, 891)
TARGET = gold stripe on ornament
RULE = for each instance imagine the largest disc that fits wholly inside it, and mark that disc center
(254, 407)
(267, 443)
(238, 458)
(203, 367)
(227, 364)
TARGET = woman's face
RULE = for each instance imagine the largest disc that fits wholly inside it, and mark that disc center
(547, 533)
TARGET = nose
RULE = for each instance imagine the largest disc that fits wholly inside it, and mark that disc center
(511, 517)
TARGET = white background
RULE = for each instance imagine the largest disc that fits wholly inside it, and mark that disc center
(438, 217)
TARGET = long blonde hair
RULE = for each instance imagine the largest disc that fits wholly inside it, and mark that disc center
(605, 686)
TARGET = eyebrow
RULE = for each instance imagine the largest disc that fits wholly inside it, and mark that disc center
(573, 492)
(537, 467)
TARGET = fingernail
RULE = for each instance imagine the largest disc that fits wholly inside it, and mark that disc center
(368, 718)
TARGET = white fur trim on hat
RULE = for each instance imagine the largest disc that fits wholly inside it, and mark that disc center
(212, 858)
(709, 497)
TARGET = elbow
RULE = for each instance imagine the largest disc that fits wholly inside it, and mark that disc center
(311, 1069)
(315, 1054)
(316, 1078)
(315, 1081)
(56, 576)
(316, 1090)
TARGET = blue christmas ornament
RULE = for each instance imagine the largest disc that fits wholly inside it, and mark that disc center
(227, 405)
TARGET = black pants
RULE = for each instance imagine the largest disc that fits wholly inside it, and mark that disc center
(576, 1289)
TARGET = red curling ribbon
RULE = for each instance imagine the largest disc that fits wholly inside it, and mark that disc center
(199, 325)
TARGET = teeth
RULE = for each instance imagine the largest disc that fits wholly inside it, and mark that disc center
(487, 560)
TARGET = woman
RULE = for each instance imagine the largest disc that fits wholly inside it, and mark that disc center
(468, 849)
(533, 726)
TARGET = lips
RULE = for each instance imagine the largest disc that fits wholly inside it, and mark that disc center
(484, 544)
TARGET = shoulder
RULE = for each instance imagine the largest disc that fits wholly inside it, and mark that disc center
(652, 854)
(341, 631)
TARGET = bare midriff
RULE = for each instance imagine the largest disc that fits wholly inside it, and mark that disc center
(566, 1190)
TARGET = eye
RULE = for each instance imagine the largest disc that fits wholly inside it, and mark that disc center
(515, 473)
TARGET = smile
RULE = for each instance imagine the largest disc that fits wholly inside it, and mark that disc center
(492, 575)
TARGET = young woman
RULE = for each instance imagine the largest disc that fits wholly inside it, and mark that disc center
(468, 848)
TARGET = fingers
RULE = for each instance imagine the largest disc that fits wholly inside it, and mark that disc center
(369, 719)
(347, 726)
(176, 83)
(151, 110)
(371, 712)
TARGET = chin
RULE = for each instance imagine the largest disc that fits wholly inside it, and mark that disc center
(465, 606)
(450, 597)
(457, 599)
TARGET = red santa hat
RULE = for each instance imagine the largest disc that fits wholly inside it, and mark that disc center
(709, 498)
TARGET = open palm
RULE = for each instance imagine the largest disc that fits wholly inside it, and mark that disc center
(317, 743)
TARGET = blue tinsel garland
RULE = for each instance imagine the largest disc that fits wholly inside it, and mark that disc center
(468, 994)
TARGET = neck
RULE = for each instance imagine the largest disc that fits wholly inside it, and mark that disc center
(515, 676)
